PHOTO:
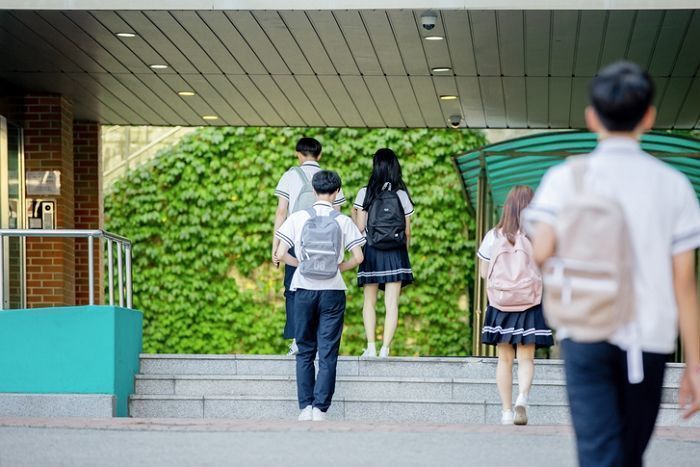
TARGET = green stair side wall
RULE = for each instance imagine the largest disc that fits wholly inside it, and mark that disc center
(76, 350)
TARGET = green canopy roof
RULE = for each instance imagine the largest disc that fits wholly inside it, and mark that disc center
(523, 161)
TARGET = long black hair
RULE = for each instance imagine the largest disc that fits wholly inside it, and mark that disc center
(385, 169)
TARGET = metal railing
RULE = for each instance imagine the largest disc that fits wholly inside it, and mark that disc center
(123, 271)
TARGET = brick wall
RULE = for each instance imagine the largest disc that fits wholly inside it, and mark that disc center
(88, 205)
(48, 145)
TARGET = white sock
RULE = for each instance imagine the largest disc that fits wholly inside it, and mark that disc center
(521, 400)
(371, 347)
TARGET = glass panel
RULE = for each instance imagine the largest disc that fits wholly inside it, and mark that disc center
(14, 216)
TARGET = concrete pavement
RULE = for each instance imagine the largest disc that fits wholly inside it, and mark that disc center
(166, 442)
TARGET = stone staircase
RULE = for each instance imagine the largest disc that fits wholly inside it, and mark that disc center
(421, 389)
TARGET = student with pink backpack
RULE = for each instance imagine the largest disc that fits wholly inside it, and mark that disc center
(514, 322)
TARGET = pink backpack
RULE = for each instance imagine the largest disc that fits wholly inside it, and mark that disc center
(513, 282)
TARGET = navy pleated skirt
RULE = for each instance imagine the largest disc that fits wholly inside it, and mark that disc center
(385, 266)
(522, 327)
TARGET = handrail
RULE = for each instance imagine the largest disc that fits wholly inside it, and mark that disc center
(111, 238)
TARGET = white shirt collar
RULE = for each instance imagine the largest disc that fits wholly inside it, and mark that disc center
(314, 163)
(323, 203)
(616, 143)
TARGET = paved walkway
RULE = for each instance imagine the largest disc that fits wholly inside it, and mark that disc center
(168, 442)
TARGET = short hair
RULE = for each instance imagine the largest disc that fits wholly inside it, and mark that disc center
(326, 182)
(621, 94)
(309, 147)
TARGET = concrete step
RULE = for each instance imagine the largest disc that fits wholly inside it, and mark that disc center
(354, 387)
(428, 411)
(57, 405)
(404, 367)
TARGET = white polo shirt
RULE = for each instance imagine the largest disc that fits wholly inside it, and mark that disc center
(290, 233)
(290, 185)
(663, 217)
(403, 197)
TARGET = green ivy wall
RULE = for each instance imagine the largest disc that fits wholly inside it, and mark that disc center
(201, 215)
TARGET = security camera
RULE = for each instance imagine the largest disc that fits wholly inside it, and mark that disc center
(428, 20)
(455, 121)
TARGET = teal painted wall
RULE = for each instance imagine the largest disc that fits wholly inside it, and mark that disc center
(79, 350)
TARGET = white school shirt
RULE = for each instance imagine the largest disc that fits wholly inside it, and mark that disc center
(663, 217)
(485, 251)
(403, 197)
(290, 233)
(290, 185)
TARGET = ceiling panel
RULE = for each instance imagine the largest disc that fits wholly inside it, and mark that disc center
(362, 98)
(674, 97)
(384, 42)
(273, 25)
(334, 42)
(406, 100)
(358, 41)
(384, 98)
(591, 32)
(511, 42)
(459, 37)
(358, 68)
(689, 114)
(470, 97)
(515, 101)
(409, 40)
(494, 104)
(537, 42)
(563, 42)
(342, 101)
(485, 35)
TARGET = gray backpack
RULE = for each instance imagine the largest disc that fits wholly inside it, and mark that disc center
(306, 197)
(321, 246)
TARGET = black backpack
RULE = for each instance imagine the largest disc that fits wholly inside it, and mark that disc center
(386, 221)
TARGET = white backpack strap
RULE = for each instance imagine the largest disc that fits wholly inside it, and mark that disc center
(578, 170)
(312, 212)
(304, 179)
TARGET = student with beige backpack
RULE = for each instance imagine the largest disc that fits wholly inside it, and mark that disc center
(513, 321)
(617, 232)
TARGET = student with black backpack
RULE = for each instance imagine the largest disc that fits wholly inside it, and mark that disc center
(382, 211)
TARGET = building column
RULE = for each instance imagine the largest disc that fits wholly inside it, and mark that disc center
(88, 206)
(48, 145)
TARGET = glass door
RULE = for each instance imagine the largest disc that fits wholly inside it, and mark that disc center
(13, 212)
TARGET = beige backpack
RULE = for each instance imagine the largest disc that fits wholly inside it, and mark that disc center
(588, 284)
(513, 281)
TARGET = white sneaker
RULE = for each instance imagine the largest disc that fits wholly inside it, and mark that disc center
(520, 417)
(384, 352)
(306, 415)
(293, 348)
(318, 415)
(369, 353)
(507, 417)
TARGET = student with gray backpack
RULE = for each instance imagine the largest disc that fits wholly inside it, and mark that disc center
(295, 193)
(320, 236)
(616, 231)
(383, 210)
(514, 322)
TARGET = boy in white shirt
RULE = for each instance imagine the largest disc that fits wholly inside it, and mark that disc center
(294, 193)
(319, 301)
(613, 418)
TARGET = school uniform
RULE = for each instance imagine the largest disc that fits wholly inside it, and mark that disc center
(512, 327)
(319, 309)
(289, 187)
(613, 418)
(385, 266)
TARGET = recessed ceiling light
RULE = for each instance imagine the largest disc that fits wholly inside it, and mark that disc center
(433, 38)
(210, 117)
(440, 69)
(159, 67)
(448, 97)
(185, 93)
(126, 34)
